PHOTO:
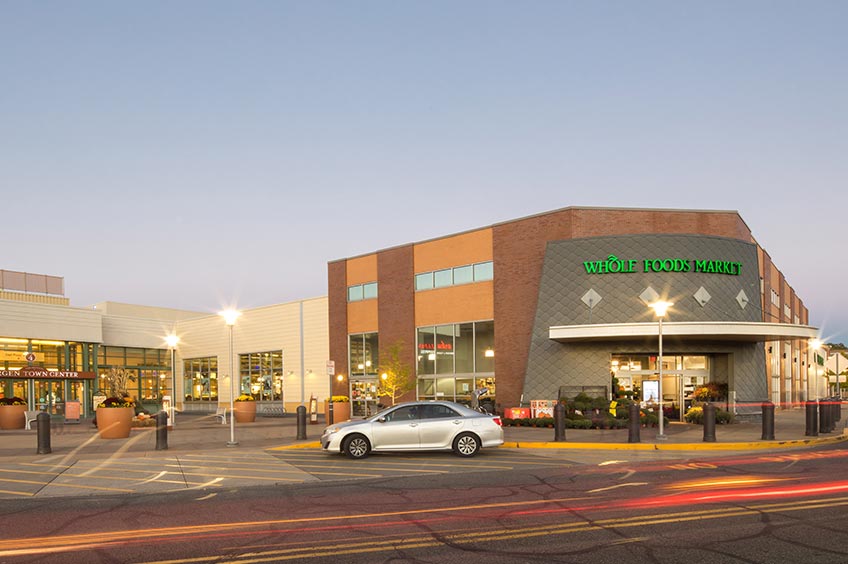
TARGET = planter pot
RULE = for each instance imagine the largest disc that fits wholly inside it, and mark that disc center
(12, 416)
(114, 422)
(245, 411)
(341, 411)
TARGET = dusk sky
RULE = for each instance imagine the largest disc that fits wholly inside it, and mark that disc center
(198, 155)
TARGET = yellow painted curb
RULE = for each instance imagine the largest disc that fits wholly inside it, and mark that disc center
(752, 445)
(295, 446)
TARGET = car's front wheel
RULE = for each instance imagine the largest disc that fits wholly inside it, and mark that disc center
(466, 444)
(356, 446)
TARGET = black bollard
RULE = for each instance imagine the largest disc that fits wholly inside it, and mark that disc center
(635, 425)
(330, 414)
(301, 422)
(42, 424)
(162, 430)
(812, 420)
(709, 423)
(559, 423)
(824, 417)
(833, 406)
(768, 421)
(837, 409)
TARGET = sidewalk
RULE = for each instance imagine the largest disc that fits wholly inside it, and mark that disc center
(203, 433)
(789, 431)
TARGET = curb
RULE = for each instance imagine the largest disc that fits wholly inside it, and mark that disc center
(752, 445)
(296, 446)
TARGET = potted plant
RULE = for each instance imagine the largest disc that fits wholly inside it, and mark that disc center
(245, 409)
(114, 417)
(12, 413)
(341, 409)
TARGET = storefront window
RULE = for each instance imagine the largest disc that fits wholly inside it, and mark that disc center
(201, 379)
(464, 348)
(262, 375)
(484, 343)
(364, 354)
(456, 349)
(426, 350)
(444, 349)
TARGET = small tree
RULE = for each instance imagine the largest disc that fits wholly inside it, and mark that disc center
(395, 374)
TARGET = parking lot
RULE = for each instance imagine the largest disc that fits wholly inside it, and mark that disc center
(53, 476)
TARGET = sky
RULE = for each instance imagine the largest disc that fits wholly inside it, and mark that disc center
(199, 155)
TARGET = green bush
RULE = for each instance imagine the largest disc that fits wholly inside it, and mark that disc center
(582, 402)
(695, 415)
(581, 424)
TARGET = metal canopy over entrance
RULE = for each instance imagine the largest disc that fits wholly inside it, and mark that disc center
(684, 330)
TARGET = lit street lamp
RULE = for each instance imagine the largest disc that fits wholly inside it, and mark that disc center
(816, 345)
(230, 317)
(660, 308)
(173, 341)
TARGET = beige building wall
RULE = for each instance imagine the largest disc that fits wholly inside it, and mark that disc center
(26, 320)
(269, 328)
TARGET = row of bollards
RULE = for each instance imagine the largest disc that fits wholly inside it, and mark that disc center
(822, 416)
(43, 430)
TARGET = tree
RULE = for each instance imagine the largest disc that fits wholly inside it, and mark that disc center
(395, 374)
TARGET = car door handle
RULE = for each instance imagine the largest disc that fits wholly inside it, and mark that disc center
(413, 424)
(457, 422)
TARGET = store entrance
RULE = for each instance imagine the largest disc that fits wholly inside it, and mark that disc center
(50, 396)
(638, 375)
(363, 397)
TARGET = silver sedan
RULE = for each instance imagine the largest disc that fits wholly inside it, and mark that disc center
(416, 425)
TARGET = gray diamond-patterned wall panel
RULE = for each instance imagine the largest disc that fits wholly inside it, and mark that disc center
(565, 281)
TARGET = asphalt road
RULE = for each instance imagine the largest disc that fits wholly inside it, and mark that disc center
(499, 507)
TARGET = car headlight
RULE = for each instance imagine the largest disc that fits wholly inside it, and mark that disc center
(331, 430)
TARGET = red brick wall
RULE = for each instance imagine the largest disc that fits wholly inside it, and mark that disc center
(519, 252)
(337, 303)
(396, 303)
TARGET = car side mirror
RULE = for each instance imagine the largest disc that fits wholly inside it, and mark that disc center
(381, 419)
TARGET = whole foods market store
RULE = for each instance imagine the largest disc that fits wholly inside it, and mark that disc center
(730, 355)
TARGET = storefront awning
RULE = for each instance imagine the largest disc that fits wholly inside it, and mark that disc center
(684, 330)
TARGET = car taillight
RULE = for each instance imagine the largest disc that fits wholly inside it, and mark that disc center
(497, 421)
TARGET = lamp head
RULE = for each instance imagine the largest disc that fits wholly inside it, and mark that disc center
(660, 307)
(172, 340)
(230, 316)
(816, 344)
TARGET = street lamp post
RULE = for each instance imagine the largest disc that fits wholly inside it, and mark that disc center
(660, 308)
(230, 317)
(816, 345)
(172, 341)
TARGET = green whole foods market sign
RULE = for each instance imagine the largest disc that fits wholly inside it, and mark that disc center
(614, 265)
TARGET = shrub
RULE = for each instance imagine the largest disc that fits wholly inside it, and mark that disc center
(582, 402)
(14, 400)
(581, 424)
(695, 415)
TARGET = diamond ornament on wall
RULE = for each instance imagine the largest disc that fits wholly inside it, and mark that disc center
(591, 298)
(649, 296)
(742, 298)
(702, 296)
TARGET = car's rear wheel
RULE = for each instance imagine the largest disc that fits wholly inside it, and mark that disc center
(356, 446)
(466, 444)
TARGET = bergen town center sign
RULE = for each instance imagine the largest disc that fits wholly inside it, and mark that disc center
(44, 374)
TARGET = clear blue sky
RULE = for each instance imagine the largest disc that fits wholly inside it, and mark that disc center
(197, 154)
